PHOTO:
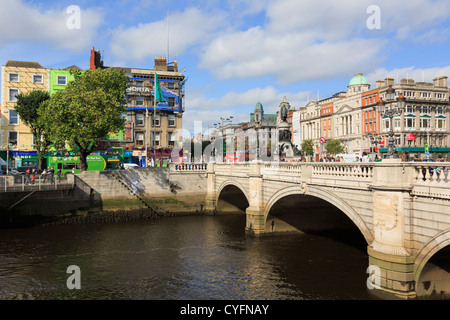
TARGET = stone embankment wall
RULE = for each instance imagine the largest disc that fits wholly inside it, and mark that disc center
(160, 189)
(148, 191)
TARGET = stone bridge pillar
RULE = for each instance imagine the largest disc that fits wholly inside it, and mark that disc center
(210, 199)
(390, 263)
(256, 223)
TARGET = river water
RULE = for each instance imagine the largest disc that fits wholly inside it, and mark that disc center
(178, 258)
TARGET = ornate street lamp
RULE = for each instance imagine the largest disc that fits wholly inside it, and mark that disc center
(388, 109)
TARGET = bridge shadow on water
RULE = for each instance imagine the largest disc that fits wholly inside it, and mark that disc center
(312, 215)
(307, 214)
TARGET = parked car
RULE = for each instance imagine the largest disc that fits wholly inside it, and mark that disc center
(129, 165)
(13, 172)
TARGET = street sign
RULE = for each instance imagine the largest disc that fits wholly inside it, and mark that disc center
(426, 147)
(322, 140)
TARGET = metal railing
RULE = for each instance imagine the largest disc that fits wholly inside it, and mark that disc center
(15, 183)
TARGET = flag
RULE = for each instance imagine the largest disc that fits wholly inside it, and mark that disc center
(159, 96)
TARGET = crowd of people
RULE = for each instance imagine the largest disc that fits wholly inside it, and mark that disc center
(48, 174)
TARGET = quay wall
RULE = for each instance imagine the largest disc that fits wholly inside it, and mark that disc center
(155, 190)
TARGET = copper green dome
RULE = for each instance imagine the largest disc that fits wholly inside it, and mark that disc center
(259, 107)
(358, 79)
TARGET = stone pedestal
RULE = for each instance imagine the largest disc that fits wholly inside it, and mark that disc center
(389, 259)
(256, 223)
(210, 199)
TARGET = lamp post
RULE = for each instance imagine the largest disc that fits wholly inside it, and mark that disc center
(387, 109)
(373, 140)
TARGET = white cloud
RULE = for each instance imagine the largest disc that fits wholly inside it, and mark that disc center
(23, 22)
(146, 40)
(307, 40)
(239, 105)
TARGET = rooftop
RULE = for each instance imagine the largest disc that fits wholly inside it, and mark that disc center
(23, 64)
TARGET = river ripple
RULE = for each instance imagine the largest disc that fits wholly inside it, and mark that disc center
(176, 258)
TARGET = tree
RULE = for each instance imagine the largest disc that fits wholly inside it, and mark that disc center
(334, 146)
(308, 147)
(88, 109)
(28, 107)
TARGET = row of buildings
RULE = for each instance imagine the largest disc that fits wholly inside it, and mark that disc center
(358, 118)
(150, 127)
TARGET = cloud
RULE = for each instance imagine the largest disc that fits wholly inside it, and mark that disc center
(306, 40)
(23, 22)
(146, 40)
(239, 105)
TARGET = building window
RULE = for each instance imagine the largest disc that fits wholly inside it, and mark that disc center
(439, 110)
(139, 84)
(440, 124)
(61, 80)
(156, 139)
(38, 78)
(410, 123)
(139, 100)
(386, 124)
(171, 139)
(139, 139)
(171, 120)
(409, 109)
(171, 102)
(139, 118)
(13, 138)
(397, 123)
(12, 95)
(424, 123)
(13, 117)
(425, 110)
(155, 120)
(13, 77)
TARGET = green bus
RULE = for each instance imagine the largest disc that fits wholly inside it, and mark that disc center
(98, 160)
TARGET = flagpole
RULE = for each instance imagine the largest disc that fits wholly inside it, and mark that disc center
(154, 126)
(146, 134)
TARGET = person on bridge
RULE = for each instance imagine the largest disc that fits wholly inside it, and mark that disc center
(27, 176)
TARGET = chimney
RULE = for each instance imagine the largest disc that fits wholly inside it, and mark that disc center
(389, 82)
(92, 62)
(95, 62)
(160, 64)
(440, 81)
(379, 83)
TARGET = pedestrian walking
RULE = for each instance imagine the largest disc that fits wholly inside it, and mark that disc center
(44, 175)
(50, 175)
(27, 176)
(33, 176)
(58, 175)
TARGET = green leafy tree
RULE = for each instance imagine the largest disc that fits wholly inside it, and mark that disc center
(88, 109)
(334, 146)
(28, 106)
(308, 146)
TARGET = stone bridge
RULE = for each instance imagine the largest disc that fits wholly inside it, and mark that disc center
(400, 208)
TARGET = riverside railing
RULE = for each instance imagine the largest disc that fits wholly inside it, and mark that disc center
(15, 183)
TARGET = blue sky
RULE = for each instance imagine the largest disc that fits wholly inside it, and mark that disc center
(238, 52)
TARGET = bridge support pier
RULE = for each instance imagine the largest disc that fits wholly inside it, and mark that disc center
(391, 275)
(256, 222)
(210, 199)
(389, 260)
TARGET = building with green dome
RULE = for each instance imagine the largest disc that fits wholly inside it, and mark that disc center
(358, 84)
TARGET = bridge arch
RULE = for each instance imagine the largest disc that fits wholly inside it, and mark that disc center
(233, 183)
(439, 242)
(326, 196)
